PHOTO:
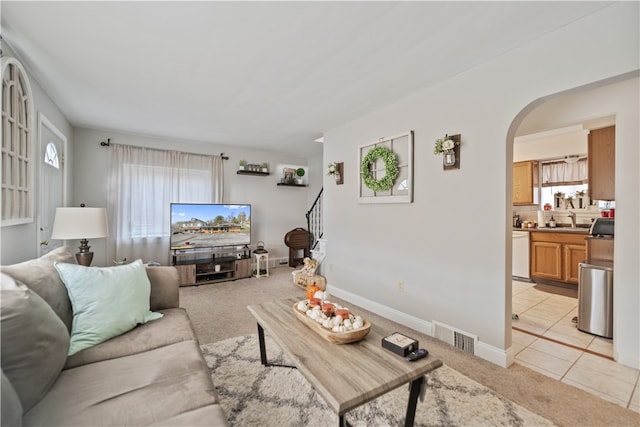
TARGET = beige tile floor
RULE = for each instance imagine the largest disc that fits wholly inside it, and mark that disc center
(549, 316)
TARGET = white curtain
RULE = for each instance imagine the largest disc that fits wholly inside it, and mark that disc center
(562, 173)
(143, 183)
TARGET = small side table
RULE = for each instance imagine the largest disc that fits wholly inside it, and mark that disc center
(262, 256)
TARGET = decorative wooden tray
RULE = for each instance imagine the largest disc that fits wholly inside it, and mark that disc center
(334, 337)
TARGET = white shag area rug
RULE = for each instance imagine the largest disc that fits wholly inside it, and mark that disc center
(255, 395)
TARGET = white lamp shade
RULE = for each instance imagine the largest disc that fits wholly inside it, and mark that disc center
(80, 223)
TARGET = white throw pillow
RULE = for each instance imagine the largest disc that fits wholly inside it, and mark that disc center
(106, 301)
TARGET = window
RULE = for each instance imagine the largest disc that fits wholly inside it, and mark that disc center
(143, 183)
(51, 156)
(560, 176)
(17, 164)
(547, 193)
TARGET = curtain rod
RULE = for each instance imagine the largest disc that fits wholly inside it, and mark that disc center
(108, 144)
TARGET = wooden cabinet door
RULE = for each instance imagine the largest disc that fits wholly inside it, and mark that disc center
(602, 163)
(546, 260)
(243, 268)
(601, 249)
(573, 256)
(186, 274)
(524, 183)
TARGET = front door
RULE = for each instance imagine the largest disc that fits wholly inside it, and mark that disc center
(52, 145)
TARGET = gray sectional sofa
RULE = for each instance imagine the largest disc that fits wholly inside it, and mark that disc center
(154, 374)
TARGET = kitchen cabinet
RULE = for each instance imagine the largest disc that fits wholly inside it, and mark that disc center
(600, 248)
(574, 254)
(602, 163)
(555, 256)
(525, 183)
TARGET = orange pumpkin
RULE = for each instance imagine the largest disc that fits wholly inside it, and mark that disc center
(311, 290)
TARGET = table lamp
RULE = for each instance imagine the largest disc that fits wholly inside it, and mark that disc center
(80, 223)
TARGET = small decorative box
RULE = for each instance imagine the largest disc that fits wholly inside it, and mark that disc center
(400, 344)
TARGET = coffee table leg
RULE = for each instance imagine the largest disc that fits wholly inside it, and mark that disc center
(414, 392)
(263, 350)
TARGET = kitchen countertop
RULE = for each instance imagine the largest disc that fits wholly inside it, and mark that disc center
(577, 230)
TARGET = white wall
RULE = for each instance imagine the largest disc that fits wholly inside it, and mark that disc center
(452, 245)
(275, 209)
(20, 242)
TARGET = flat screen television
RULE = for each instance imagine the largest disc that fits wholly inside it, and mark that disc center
(208, 225)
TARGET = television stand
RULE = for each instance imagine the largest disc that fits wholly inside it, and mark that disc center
(198, 266)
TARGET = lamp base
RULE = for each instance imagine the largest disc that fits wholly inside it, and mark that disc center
(84, 256)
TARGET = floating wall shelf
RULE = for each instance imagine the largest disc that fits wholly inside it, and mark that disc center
(240, 172)
(291, 185)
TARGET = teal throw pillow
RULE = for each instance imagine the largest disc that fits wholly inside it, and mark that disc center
(106, 301)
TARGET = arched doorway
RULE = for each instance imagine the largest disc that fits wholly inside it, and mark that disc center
(612, 101)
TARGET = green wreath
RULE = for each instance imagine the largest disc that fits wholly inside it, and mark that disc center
(390, 164)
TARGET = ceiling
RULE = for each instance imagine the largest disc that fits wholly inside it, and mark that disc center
(263, 75)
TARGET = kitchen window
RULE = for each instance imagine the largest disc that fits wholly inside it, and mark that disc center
(560, 176)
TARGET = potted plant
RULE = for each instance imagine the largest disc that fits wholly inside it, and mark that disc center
(300, 172)
(265, 167)
(243, 163)
(569, 202)
(581, 196)
(558, 198)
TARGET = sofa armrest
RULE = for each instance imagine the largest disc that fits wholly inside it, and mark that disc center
(164, 287)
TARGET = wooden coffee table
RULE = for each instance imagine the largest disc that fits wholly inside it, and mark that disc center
(347, 375)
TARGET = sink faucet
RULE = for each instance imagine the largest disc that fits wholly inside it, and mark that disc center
(572, 216)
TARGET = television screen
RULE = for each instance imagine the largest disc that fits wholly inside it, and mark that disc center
(209, 225)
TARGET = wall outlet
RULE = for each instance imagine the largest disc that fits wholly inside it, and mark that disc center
(400, 285)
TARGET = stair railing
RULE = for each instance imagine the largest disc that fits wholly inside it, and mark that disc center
(314, 221)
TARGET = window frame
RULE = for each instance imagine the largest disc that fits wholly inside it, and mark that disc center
(22, 79)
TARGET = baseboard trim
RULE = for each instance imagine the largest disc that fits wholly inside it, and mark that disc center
(493, 354)
(405, 319)
(485, 351)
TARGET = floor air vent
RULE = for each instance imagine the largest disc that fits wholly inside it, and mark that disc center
(457, 338)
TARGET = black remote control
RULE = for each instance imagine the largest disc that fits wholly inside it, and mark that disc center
(418, 354)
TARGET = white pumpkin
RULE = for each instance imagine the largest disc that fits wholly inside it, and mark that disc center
(319, 294)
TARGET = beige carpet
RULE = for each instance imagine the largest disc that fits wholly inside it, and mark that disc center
(219, 312)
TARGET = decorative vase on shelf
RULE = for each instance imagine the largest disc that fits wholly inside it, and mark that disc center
(449, 158)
